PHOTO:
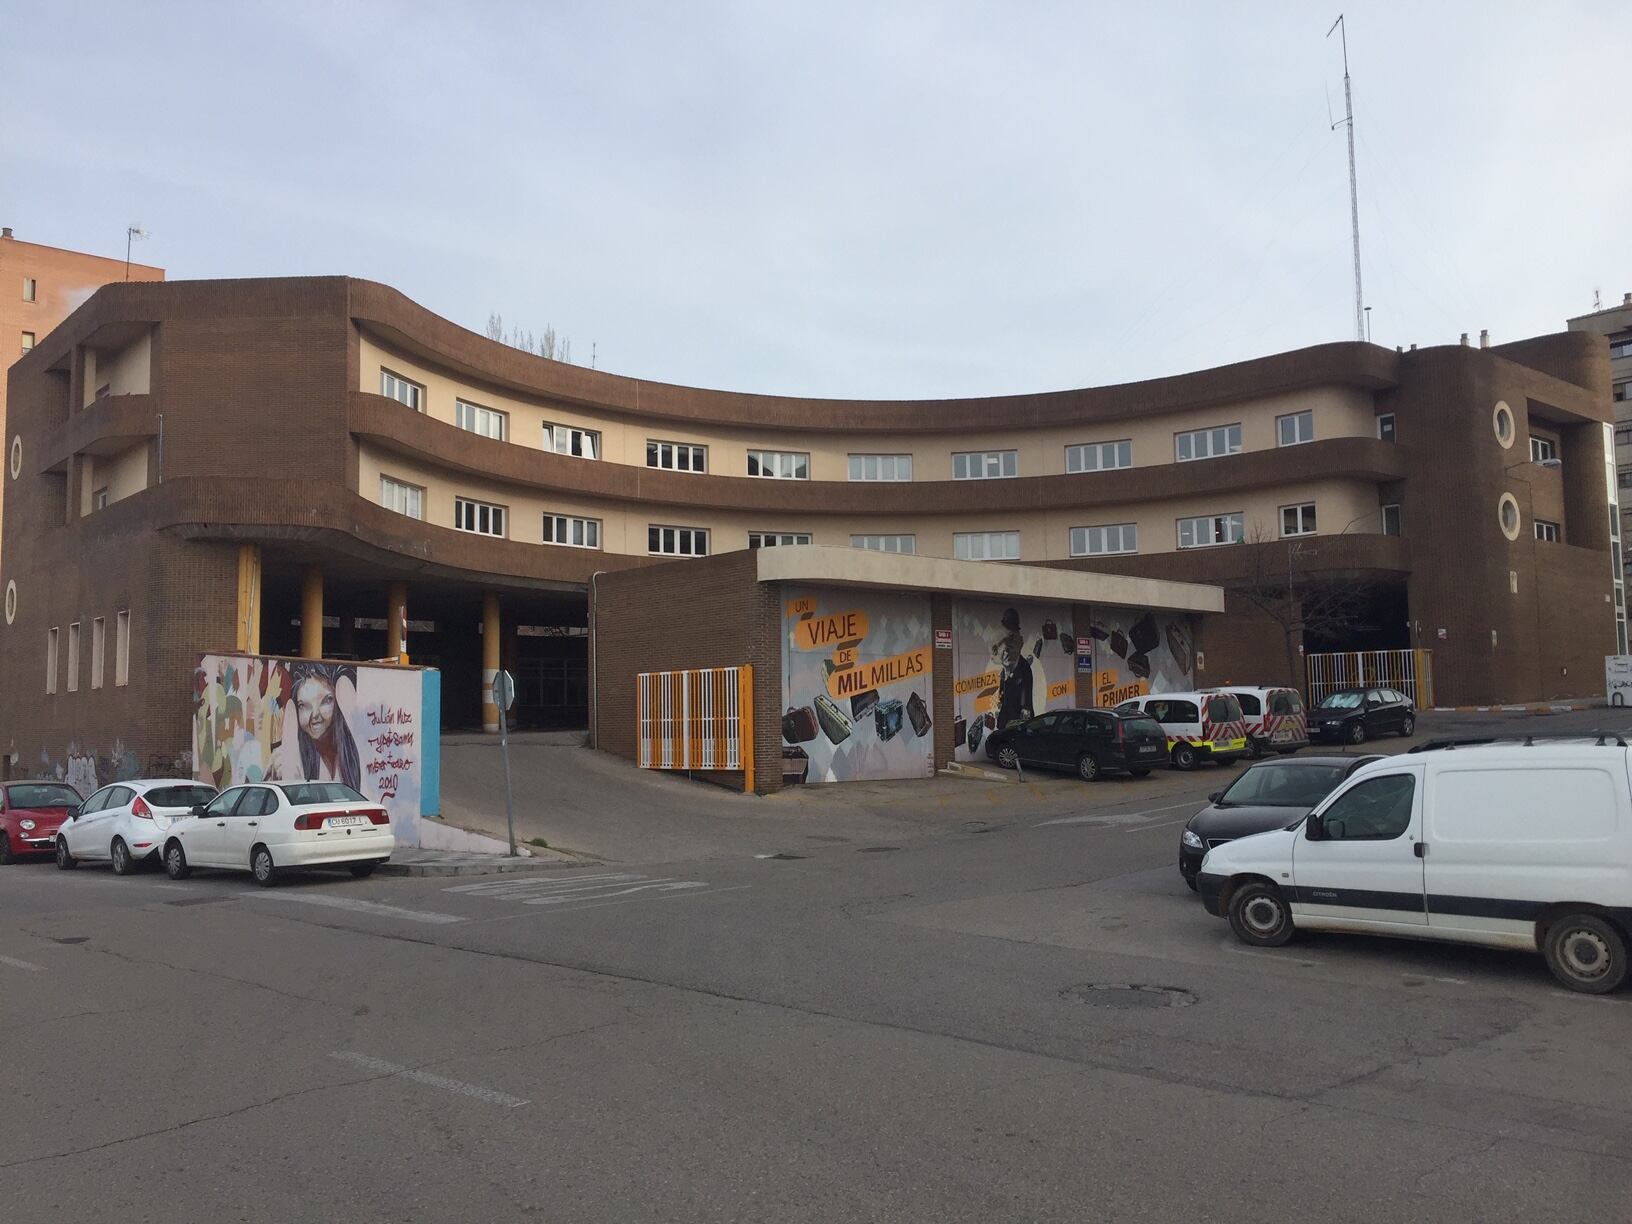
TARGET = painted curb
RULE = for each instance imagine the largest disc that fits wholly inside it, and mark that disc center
(977, 774)
(423, 870)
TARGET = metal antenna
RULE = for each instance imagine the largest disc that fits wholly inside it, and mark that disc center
(1354, 192)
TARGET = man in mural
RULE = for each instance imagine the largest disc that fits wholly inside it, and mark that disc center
(1014, 697)
(328, 753)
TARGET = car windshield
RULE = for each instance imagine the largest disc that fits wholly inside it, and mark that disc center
(1283, 786)
(179, 796)
(321, 792)
(1343, 701)
(47, 796)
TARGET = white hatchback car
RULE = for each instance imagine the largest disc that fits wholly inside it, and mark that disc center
(265, 827)
(126, 822)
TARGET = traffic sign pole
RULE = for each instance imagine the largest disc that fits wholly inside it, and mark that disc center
(504, 693)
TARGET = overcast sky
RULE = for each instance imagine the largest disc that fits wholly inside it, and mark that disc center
(875, 200)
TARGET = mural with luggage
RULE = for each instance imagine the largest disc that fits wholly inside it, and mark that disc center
(856, 669)
(1138, 652)
(1013, 663)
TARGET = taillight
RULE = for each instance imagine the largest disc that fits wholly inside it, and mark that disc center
(379, 816)
(140, 808)
(312, 820)
(1121, 731)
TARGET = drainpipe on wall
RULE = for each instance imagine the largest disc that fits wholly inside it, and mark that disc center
(594, 674)
(160, 462)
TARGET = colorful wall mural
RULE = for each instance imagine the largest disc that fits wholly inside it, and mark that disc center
(257, 717)
(1138, 652)
(1013, 662)
(856, 670)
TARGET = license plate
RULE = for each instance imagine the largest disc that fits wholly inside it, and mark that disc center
(336, 822)
(1280, 737)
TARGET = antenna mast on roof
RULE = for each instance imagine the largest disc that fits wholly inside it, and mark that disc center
(1354, 193)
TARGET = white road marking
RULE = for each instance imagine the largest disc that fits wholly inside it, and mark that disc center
(494, 888)
(19, 964)
(1285, 958)
(589, 904)
(425, 1077)
(359, 907)
(1160, 824)
(1115, 818)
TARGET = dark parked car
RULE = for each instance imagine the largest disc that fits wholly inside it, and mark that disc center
(1087, 741)
(1352, 716)
(1270, 795)
(30, 813)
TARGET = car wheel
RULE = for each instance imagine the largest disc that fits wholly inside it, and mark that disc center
(1259, 916)
(1007, 757)
(1185, 757)
(262, 867)
(1139, 773)
(1191, 881)
(1357, 732)
(1088, 767)
(123, 864)
(1586, 953)
(1408, 728)
(1255, 748)
(65, 861)
(6, 856)
(363, 870)
(175, 862)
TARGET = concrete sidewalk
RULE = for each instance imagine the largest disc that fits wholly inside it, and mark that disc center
(416, 861)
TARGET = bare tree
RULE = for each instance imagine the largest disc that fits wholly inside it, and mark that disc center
(549, 345)
(1280, 584)
(495, 327)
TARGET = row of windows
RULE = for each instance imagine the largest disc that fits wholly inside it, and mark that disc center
(99, 642)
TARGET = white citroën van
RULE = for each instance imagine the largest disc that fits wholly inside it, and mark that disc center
(1514, 845)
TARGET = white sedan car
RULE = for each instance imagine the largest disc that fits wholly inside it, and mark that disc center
(264, 827)
(126, 822)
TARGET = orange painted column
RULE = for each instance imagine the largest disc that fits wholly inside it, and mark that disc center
(396, 622)
(490, 661)
(311, 614)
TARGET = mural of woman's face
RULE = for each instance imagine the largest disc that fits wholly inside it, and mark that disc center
(314, 707)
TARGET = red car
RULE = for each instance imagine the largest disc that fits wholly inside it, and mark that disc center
(29, 815)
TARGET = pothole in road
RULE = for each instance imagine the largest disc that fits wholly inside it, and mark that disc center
(1127, 995)
(876, 849)
(72, 939)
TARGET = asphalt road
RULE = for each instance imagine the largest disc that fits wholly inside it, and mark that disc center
(936, 1027)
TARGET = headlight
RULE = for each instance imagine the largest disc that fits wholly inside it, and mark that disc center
(1194, 842)
(25, 824)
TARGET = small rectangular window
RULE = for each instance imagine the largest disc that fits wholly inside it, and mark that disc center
(51, 660)
(1099, 456)
(677, 541)
(28, 341)
(1385, 426)
(402, 497)
(1104, 541)
(986, 545)
(571, 440)
(769, 539)
(885, 543)
(985, 465)
(31, 289)
(1295, 428)
(482, 518)
(779, 465)
(73, 658)
(99, 646)
(99, 499)
(1298, 520)
(1542, 450)
(572, 532)
(1621, 392)
(1391, 520)
(489, 422)
(1547, 532)
(121, 649)
(1620, 345)
(1207, 443)
(404, 391)
(1208, 530)
(881, 467)
(676, 456)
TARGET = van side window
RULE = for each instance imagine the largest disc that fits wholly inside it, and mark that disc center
(1377, 810)
(1248, 702)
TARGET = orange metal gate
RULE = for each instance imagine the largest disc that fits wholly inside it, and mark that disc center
(702, 718)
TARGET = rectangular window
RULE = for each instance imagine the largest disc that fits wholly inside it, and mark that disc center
(885, 543)
(1210, 529)
(28, 341)
(31, 289)
(1295, 428)
(73, 658)
(99, 499)
(1298, 520)
(881, 467)
(1385, 426)
(779, 465)
(1103, 541)
(99, 646)
(1542, 449)
(404, 498)
(570, 440)
(1099, 456)
(121, 648)
(1623, 435)
(51, 660)
(489, 422)
(572, 532)
(483, 518)
(395, 386)
(985, 465)
(1621, 392)
(677, 541)
(1207, 443)
(769, 539)
(986, 545)
(676, 456)
(1391, 520)
(1620, 345)
(1547, 531)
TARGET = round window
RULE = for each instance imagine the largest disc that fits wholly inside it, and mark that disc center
(1507, 513)
(16, 456)
(1501, 420)
(11, 602)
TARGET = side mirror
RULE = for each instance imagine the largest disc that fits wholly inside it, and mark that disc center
(1315, 829)
(73, 812)
(1214, 797)
(197, 809)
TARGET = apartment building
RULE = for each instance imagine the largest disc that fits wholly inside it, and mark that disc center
(1615, 325)
(322, 467)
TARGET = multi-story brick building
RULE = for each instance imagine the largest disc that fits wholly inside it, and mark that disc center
(301, 466)
(1615, 325)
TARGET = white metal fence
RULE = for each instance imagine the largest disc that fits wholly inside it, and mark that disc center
(696, 719)
(1409, 671)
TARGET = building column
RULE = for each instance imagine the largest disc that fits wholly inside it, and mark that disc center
(248, 631)
(490, 661)
(311, 614)
(396, 622)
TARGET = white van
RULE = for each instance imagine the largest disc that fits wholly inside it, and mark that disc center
(1275, 717)
(1199, 726)
(1514, 845)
